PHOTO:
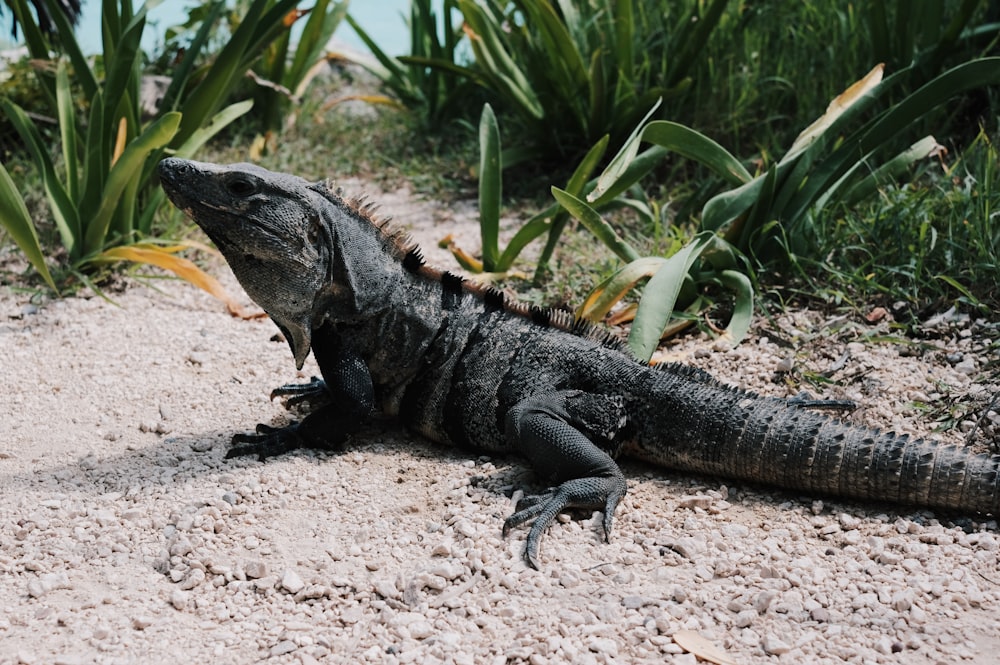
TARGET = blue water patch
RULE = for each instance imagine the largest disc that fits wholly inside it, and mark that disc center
(383, 20)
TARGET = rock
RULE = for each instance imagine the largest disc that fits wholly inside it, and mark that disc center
(255, 570)
(291, 582)
(283, 647)
(774, 645)
(142, 622)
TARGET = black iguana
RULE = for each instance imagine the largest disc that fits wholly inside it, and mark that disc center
(465, 365)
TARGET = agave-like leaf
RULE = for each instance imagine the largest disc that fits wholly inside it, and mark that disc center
(127, 168)
(837, 107)
(596, 224)
(64, 210)
(660, 296)
(15, 218)
(490, 183)
(604, 296)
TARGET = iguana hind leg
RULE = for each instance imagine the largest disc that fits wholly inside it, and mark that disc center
(557, 433)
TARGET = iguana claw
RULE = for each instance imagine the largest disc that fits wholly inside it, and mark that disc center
(266, 442)
(576, 493)
(314, 392)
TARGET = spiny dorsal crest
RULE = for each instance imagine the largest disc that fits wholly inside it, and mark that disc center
(401, 247)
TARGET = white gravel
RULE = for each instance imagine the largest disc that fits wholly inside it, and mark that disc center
(125, 537)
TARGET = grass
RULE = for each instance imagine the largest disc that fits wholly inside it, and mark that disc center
(934, 239)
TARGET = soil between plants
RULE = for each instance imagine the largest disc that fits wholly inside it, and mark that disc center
(126, 537)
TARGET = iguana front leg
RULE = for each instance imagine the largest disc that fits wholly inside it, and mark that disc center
(556, 432)
(351, 401)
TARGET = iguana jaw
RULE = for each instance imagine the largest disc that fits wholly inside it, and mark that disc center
(273, 256)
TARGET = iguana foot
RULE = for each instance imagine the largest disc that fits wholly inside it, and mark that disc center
(314, 392)
(267, 442)
(600, 493)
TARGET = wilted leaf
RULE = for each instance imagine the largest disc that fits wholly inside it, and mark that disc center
(701, 647)
(836, 108)
(183, 268)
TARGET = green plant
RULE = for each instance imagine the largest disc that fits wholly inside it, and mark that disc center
(551, 220)
(105, 195)
(569, 71)
(430, 79)
(934, 238)
(286, 69)
(573, 72)
(766, 216)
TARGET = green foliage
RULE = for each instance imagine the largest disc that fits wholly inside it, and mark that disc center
(570, 72)
(770, 67)
(768, 215)
(431, 79)
(831, 160)
(935, 238)
(551, 220)
(105, 194)
(286, 68)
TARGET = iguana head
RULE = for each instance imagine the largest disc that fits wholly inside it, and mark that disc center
(295, 251)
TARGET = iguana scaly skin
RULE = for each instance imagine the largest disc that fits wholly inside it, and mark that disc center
(464, 365)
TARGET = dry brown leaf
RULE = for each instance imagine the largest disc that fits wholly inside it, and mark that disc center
(701, 647)
(184, 269)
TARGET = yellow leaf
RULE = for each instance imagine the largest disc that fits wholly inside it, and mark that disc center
(183, 268)
(624, 315)
(701, 647)
(370, 99)
(293, 16)
(840, 103)
(120, 140)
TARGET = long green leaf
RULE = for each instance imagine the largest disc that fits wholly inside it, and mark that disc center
(533, 228)
(620, 162)
(204, 134)
(596, 225)
(688, 143)
(36, 43)
(64, 210)
(660, 295)
(742, 317)
(82, 72)
(181, 74)
(15, 218)
(67, 130)
(887, 172)
(489, 187)
(121, 73)
(96, 160)
(128, 167)
(583, 170)
(320, 26)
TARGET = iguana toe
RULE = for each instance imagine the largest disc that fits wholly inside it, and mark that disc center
(596, 493)
(267, 442)
(315, 391)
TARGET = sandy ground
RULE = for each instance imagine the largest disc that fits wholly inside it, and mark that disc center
(125, 537)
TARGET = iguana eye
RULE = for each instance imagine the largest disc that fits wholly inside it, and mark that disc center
(314, 231)
(240, 186)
